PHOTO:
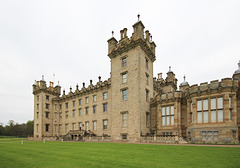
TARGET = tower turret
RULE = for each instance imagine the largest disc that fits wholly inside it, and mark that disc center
(112, 43)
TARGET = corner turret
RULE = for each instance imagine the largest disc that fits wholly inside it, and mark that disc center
(236, 74)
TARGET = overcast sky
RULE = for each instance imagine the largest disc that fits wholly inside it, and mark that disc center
(200, 39)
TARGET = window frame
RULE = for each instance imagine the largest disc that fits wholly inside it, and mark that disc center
(124, 61)
(167, 115)
(105, 107)
(105, 95)
(105, 121)
(124, 94)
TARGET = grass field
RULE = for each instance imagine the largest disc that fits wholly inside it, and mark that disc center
(97, 155)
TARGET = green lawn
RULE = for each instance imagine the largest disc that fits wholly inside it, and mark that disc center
(80, 154)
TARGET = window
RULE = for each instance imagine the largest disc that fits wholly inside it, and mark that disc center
(230, 108)
(60, 115)
(37, 127)
(80, 101)
(234, 134)
(147, 95)
(47, 106)
(204, 136)
(47, 127)
(167, 133)
(55, 115)
(74, 111)
(205, 111)
(47, 114)
(124, 77)
(55, 106)
(47, 97)
(105, 95)
(37, 98)
(94, 109)
(86, 125)
(74, 103)
(80, 112)
(37, 114)
(55, 128)
(147, 79)
(215, 135)
(124, 136)
(124, 119)
(60, 106)
(94, 125)
(220, 109)
(202, 111)
(80, 126)
(37, 106)
(66, 128)
(124, 62)
(168, 115)
(94, 98)
(86, 100)
(124, 94)
(74, 126)
(191, 112)
(60, 128)
(217, 109)
(146, 63)
(104, 107)
(86, 110)
(104, 124)
(147, 119)
(66, 105)
(66, 114)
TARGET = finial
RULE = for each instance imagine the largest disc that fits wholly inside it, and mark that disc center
(91, 82)
(99, 78)
(138, 17)
(70, 88)
(184, 77)
(58, 83)
(77, 87)
(150, 38)
(169, 68)
(42, 77)
(112, 33)
(83, 84)
(239, 64)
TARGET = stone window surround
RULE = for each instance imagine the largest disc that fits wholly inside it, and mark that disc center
(94, 107)
(121, 58)
(209, 107)
(121, 90)
(105, 128)
(121, 113)
(106, 107)
(123, 73)
(94, 126)
(170, 115)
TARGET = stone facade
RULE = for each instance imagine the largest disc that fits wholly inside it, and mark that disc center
(132, 103)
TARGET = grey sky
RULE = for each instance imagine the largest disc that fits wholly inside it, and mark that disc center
(69, 39)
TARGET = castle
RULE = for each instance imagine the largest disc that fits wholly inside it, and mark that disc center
(132, 103)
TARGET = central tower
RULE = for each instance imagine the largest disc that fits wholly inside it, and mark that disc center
(131, 83)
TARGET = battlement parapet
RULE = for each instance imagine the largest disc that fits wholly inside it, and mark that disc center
(41, 86)
(215, 85)
(167, 97)
(86, 90)
(137, 39)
